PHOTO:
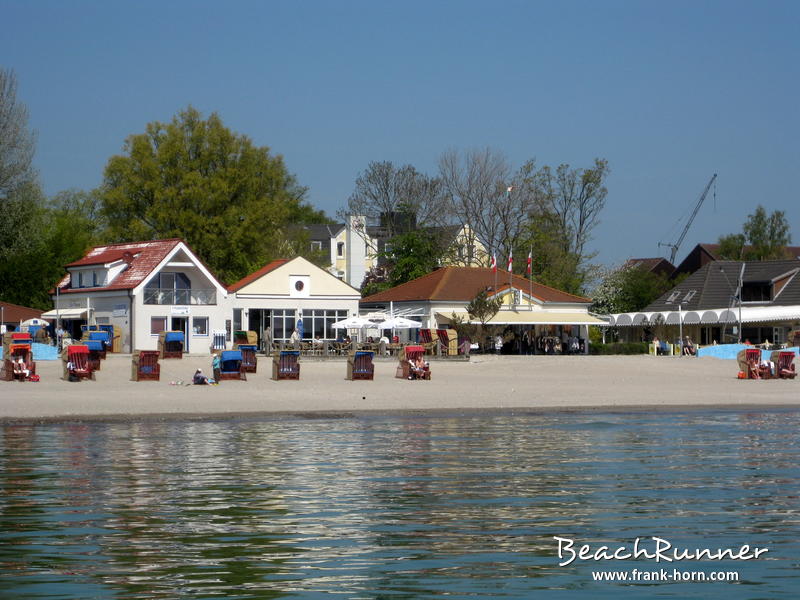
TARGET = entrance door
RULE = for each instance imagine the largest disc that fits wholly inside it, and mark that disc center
(258, 321)
(182, 324)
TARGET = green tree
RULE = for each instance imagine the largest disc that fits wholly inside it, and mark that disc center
(629, 289)
(193, 178)
(764, 237)
(482, 308)
(767, 235)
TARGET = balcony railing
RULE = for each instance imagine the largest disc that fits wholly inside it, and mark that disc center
(172, 296)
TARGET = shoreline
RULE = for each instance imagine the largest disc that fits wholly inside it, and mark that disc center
(434, 413)
(488, 384)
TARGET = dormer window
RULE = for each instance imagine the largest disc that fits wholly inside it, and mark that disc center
(757, 291)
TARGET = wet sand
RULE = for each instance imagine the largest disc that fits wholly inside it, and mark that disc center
(485, 383)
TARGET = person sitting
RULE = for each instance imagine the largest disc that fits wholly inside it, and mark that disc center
(199, 378)
(688, 347)
(418, 368)
(21, 369)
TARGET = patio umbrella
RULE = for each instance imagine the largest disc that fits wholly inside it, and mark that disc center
(353, 323)
(399, 323)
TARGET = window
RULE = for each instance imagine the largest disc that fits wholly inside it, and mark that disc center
(169, 288)
(157, 325)
(340, 249)
(80, 280)
(689, 295)
(94, 278)
(316, 245)
(757, 291)
(318, 323)
(673, 296)
(237, 319)
(283, 323)
(200, 325)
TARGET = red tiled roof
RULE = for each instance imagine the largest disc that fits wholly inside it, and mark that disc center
(146, 256)
(462, 284)
(14, 313)
(235, 287)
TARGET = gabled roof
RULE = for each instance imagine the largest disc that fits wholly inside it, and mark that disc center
(462, 284)
(653, 265)
(704, 253)
(257, 274)
(144, 257)
(14, 313)
(322, 231)
(712, 286)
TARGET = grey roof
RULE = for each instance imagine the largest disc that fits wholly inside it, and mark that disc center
(324, 232)
(714, 283)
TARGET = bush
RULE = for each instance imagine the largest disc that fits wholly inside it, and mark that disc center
(619, 348)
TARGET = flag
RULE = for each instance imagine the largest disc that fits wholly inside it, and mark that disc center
(510, 259)
(494, 263)
(530, 259)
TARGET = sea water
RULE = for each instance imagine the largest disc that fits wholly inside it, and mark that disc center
(398, 506)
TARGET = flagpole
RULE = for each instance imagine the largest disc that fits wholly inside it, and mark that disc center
(530, 277)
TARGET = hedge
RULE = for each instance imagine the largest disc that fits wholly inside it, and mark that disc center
(620, 348)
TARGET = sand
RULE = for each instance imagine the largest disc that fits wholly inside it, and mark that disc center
(484, 383)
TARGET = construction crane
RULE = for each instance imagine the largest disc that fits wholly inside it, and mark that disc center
(677, 244)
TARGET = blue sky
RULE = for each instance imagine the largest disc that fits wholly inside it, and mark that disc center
(668, 92)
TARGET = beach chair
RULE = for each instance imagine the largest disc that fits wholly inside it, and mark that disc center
(360, 366)
(144, 366)
(10, 360)
(248, 338)
(407, 355)
(170, 344)
(429, 341)
(104, 337)
(286, 365)
(76, 362)
(447, 342)
(249, 360)
(230, 365)
(784, 365)
(752, 363)
(97, 352)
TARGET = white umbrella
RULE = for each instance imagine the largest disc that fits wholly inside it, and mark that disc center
(399, 323)
(353, 323)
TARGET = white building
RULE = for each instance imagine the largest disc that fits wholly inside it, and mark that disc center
(283, 291)
(144, 288)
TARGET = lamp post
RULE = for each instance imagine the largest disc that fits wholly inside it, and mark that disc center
(680, 327)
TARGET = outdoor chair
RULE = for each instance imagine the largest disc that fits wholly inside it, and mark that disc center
(360, 366)
(97, 352)
(249, 360)
(428, 341)
(76, 362)
(407, 356)
(448, 342)
(145, 366)
(17, 351)
(170, 344)
(230, 365)
(752, 363)
(784, 365)
(104, 337)
(286, 365)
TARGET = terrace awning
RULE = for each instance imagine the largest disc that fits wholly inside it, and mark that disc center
(65, 313)
(529, 317)
(716, 316)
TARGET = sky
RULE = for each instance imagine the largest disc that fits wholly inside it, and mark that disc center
(668, 92)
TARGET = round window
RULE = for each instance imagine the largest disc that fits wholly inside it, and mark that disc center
(298, 285)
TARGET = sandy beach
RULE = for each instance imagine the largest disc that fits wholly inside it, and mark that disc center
(484, 383)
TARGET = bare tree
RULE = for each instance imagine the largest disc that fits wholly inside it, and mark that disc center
(483, 195)
(17, 142)
(384, 191)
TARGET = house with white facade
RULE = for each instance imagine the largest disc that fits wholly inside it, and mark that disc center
(144, 288)
(284, 291)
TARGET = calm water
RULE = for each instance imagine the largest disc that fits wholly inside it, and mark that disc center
(394, 506)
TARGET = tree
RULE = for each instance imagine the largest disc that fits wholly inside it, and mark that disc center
(763, 237)
(17, 142)
(482, 308)
(233, 202)
(482, 194)
(629, 289)
(398, 199)
(767, 235)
